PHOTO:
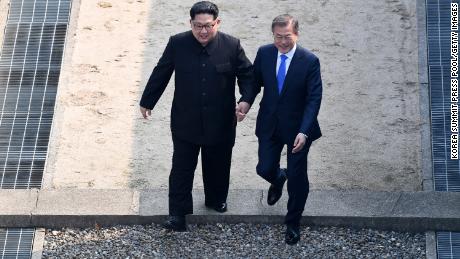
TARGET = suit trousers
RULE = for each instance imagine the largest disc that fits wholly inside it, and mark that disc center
(215, 160)
(268, 168)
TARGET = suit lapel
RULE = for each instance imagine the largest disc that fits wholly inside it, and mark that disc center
(292, 66)
(272, 63)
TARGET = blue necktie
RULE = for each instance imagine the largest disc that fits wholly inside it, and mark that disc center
(281, 73)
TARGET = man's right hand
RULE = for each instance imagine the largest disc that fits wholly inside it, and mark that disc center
(145, 112)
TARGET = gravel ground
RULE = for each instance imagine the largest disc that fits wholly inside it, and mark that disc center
(230, 241)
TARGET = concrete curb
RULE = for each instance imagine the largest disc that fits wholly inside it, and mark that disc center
(424, 99)
(39, 239)
(431, 252)
(401, 211)
(425, 127)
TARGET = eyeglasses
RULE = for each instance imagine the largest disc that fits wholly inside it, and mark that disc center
(200, 27)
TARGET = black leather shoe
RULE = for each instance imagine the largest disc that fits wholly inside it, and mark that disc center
(275, 191)
(219, 207)
(292, 235)
(175, 223)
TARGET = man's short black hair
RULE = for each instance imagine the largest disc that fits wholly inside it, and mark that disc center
(286, 20)
(204, 7)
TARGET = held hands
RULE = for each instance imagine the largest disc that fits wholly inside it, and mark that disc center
(299, 142)
(241, 109)
(145, 112)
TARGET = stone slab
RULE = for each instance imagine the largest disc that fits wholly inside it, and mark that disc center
(405, 211)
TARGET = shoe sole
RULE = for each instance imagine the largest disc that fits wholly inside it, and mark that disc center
(175, 229)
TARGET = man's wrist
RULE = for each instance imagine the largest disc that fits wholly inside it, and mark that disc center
(305, 135)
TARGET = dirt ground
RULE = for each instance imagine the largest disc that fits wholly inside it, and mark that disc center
(369, 116)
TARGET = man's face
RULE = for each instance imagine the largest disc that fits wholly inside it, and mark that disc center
(285, 38)
(204, 27)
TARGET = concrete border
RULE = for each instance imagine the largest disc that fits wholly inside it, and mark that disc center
(39, 240)
(64, 77)
(4, 11)
(400, 211)
(425, 119)
(431, 252)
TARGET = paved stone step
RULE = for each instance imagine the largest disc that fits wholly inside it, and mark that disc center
(402, 211)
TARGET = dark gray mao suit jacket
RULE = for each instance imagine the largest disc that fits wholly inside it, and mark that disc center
(203, 109)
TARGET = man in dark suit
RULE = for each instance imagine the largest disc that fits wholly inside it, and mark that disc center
(288, 114)
(206, 64)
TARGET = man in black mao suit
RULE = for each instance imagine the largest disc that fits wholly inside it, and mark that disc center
(288, 114)
(206, 64)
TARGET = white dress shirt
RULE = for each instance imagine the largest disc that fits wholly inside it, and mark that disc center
(289, 55)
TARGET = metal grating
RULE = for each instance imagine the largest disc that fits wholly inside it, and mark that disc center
(446, 173)
(29, 72)
(16, 242)
(30, 65)
(448, 245)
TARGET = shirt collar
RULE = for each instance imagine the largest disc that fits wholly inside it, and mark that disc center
(211, 47)
(290, 54)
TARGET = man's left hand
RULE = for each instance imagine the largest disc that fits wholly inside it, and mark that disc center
(299, 142)
(241, 109)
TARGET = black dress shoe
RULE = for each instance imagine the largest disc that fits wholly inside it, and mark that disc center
(219, 207)
(276, 190)
(175, 223)
(292, 235)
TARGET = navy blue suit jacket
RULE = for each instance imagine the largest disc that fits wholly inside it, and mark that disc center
(295, 110)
